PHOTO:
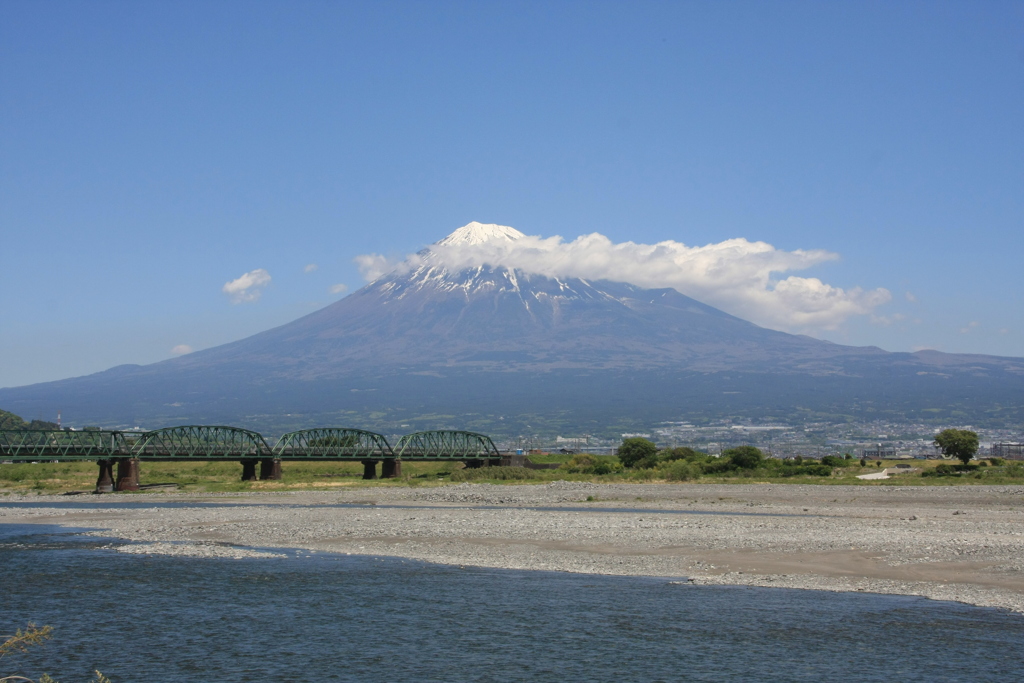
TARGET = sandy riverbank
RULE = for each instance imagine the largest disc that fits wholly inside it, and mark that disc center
(959, 543)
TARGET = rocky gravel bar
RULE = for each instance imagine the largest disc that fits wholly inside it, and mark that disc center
(960, 543)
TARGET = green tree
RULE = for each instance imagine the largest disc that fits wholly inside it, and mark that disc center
(648, 462)
(10, 421)
(679, 453)
(635, 449)
(744, 457)
(961, 444)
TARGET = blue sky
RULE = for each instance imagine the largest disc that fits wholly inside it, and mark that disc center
(150, 153)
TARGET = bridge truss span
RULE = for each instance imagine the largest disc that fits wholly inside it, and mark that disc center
(200, 442)
(26, 445)
(332, 443)
(446, 445)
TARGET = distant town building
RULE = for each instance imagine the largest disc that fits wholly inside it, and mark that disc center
(1009, 451)
(880, 452)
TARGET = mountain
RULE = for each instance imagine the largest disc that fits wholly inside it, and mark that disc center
(429, 346)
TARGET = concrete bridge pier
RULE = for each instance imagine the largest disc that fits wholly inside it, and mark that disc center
(249, 470)
(390, 468)
(127, 474)
(369, 469)
(270, 468)
(473, 464)
(105, 482)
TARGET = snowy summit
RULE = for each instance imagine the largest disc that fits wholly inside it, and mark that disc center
(480, 233)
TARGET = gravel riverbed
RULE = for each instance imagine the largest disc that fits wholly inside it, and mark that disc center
(960, 543)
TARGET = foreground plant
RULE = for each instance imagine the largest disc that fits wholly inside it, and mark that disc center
(22, 640)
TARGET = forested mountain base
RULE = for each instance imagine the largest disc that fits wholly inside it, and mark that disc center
(12, 421)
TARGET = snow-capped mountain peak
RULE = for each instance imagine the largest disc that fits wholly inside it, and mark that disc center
(480, 233)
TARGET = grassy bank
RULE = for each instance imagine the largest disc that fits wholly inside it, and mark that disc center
(225, 476)
(208, 476)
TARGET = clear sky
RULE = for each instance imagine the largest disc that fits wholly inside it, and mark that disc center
(151, 153)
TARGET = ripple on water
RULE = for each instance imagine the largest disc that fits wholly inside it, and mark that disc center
(350, 618)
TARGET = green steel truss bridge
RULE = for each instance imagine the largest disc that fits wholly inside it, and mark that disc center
(446, 445)
(202, 442)
(195, 442)
(332, 444)
(24, 445)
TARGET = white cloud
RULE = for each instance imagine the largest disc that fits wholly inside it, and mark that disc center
(338, 289)
(886, 320)
(911, 297)
(372, 266)
(248, 287)
(181, 349)
(738, 276)
(310, 268)
(970, 326)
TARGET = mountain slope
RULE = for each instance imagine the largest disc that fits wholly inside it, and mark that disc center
(428, 341)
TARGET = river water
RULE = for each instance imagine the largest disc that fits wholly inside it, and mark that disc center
(319, 617)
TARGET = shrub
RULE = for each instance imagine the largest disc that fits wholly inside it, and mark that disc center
(643, 475)
(950, 470)
(681, 470)
(681, 453)
(997, 462)
(1015, 470)
(647, 462)
(580, 463)
(832, 461)
(811, 470)
(744, 457)
(720, 466)
(863, 462)
(502, 473)
(585, 463)
(635, 449)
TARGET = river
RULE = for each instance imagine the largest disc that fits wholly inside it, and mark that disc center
(322, 617)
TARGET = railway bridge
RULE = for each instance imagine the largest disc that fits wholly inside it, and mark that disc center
(127, 450)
